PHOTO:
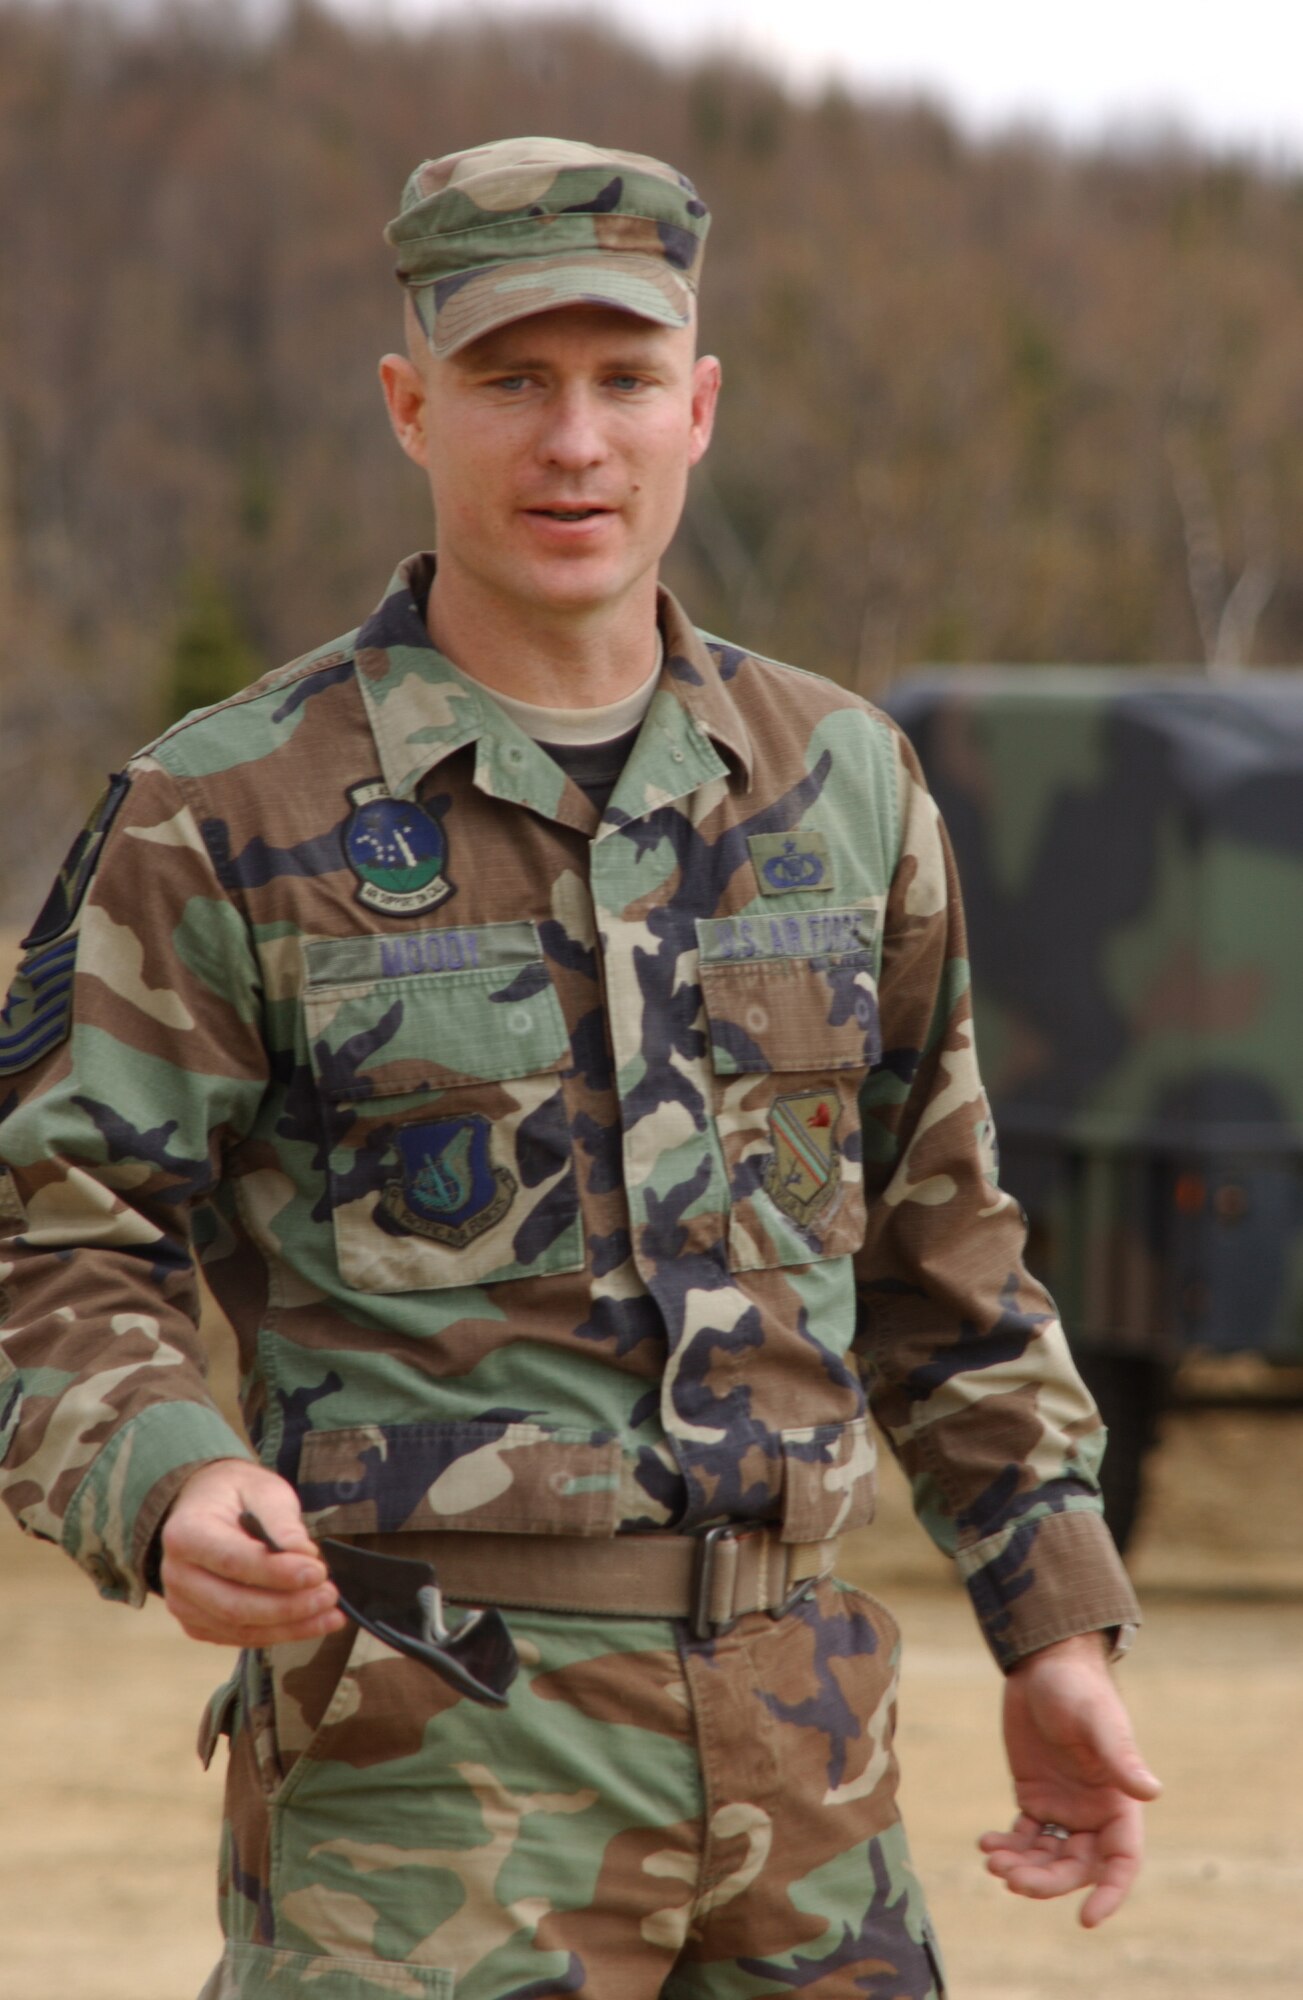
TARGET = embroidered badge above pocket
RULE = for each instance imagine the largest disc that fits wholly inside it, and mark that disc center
(805, 1171)
(397, 851)
(786, 862)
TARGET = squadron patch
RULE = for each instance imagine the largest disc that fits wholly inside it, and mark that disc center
(450, 1189)
(398, 852)
(786, 862)
(805, 1171)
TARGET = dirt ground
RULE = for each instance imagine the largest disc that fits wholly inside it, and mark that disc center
(107, 1840)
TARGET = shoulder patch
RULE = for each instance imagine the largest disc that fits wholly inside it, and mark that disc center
(74, 878)
(38, 1013)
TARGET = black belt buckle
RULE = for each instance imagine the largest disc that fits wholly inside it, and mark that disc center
(700, 1623)
(399, 1600)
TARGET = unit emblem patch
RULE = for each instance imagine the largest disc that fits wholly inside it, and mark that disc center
(805, 1171)
(398, 852)
(450, 1189)
(786, 862)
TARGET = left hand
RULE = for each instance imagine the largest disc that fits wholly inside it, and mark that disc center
(1075, 1764)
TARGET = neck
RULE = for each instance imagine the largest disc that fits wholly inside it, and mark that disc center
(554, 658)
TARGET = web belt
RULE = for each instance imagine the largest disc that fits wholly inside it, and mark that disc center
(709, 1579)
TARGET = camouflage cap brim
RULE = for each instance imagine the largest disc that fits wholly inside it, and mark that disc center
(455, 311)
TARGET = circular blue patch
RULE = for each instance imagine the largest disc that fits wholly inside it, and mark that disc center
(395, 846)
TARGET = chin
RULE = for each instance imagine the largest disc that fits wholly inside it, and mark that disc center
(575, 593)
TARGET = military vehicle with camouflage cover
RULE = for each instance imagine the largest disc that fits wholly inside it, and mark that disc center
(1131, 851)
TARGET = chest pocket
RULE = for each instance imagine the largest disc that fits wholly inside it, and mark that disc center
(436, 1058)
(793, 1034)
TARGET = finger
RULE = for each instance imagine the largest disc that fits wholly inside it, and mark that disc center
(1122, 1847)
(1108, 1736)
(1042, 1880)
(208, 1542)
(272, 1515)
(242, 1636)
(1019, 1837)
(1105, 1898)
(211, 1599)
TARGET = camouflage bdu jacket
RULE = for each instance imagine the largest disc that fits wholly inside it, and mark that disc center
(557, 1176)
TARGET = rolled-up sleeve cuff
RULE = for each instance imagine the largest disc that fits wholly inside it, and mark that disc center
(1049, 1576)
(132, 1481)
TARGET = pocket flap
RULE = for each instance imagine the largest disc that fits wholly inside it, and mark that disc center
(218, 1718)
(507, 1478)
(788, 1014)
(378, 1025)
(829, 1479)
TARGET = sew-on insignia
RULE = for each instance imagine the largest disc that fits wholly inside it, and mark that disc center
(74, 878)
(450, 1189)
(398, 852)
(37, 1016)
(805, 1170)
(786, 862)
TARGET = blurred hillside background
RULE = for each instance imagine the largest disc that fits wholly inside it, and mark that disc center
(987, 399)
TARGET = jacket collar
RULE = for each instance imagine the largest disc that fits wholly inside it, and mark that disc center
(421, 709)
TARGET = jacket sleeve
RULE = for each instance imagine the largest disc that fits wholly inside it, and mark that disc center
(133, 1059)
(967, 1368)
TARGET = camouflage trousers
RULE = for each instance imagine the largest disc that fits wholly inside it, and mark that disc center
(650, 1816)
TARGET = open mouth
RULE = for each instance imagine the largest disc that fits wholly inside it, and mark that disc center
(569, 513)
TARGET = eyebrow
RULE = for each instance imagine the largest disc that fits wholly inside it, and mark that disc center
(497, 364)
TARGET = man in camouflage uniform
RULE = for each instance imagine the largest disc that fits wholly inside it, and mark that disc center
(576, 1113)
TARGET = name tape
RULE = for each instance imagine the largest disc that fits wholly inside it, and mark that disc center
(486, 947)
(800, 934)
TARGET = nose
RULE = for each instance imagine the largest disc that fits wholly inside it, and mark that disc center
(571, 437)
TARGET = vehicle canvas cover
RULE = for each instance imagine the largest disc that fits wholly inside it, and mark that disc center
(1131, 852)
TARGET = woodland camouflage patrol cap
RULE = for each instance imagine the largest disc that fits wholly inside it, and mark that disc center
(520, 226)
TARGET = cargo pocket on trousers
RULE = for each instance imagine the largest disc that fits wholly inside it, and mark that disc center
(450, 1161)
(265, 1972)
(218, 1718)
(791, 1042)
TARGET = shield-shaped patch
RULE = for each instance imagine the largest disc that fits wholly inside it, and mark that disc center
(805, 1171)
(450, 1189)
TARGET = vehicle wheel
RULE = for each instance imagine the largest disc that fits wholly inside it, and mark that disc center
(1131, 1390)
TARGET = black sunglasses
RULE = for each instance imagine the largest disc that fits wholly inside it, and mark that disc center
(399, 1600)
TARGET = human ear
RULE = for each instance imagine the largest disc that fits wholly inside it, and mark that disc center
(407, 404)
(706, 378)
